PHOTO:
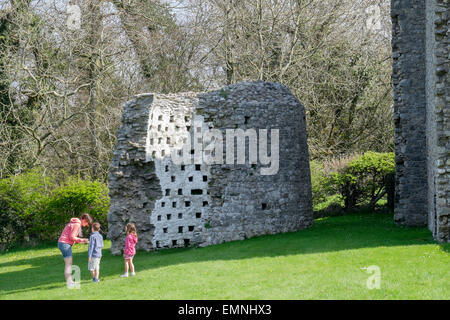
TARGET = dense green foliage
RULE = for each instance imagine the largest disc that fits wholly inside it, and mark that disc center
(362, 180)
(319, 181)
(325, 261)
(21, 198)
(34, 207)
(74, 197)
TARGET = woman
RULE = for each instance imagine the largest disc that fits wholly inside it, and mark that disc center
(68, 237)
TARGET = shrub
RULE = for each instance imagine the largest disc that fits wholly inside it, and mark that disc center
(21, 200)
(319, 181)
(34, 208)
(365, 179)
(72, 199)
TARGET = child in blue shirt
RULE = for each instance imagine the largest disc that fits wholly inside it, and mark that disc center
(95, 251)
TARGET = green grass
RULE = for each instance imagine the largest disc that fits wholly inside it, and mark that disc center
(323, 262)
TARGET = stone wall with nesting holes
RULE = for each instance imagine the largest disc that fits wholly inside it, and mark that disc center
(196, 202)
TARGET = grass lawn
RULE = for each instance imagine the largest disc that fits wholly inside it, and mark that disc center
(323, 262)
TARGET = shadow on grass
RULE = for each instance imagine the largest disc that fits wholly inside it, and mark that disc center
(327, 235)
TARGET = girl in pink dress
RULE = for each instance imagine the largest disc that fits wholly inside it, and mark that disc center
(129, 251)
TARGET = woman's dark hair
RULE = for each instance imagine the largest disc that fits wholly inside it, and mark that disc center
(86, 217)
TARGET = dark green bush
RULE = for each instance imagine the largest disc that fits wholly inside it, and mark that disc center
(22, 197)
(319, 181)
(72, 199)
(365, 179)
(34, 208)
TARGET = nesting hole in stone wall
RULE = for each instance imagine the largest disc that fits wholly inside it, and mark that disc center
(205, 203)
(183, 167)
(169, 216)
(152, 141)
(163, 204)
(188, 128)
(198, 215)
(160, 118)
(172, 178)
(264, 206)
(165, 230)
(159, 140)
(159, 127)
(168, 140)
(196, 192)
(174, 204)
(159, 218)
(174, 242)
(180, 192)
(163, 153)
(198, 167)
(191, 179)
(191, 228)
(180, 216)
(157, 244)
(187, 203)
(186, 242)
(171, 119)
(205, 178)
(246, 118)
(180, 229)
(167, 169)
(167, 192)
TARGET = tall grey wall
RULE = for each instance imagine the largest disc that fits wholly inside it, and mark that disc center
(408, 52)
(177, 204)
(133, 182)
(244, 202)
(421, 62)
(438, 117)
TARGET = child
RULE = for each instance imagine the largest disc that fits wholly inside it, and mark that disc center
(95, 251)
(130, 251)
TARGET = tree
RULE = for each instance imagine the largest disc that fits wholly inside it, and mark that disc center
(322, 50)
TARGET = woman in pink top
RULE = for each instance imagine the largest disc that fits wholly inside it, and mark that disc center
(67, 239)
(129, 251)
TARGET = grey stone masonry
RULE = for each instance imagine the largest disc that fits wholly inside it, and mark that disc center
(408, 45)
(210, 197)
(133, 183)
(420, 45)
(438, 117)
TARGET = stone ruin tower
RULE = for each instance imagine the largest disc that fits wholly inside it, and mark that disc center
(201, 202)
(421, 69)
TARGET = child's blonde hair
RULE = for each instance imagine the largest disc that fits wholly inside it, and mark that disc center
(131, 228)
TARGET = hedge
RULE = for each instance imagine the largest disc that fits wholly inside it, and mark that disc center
(34, 208)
